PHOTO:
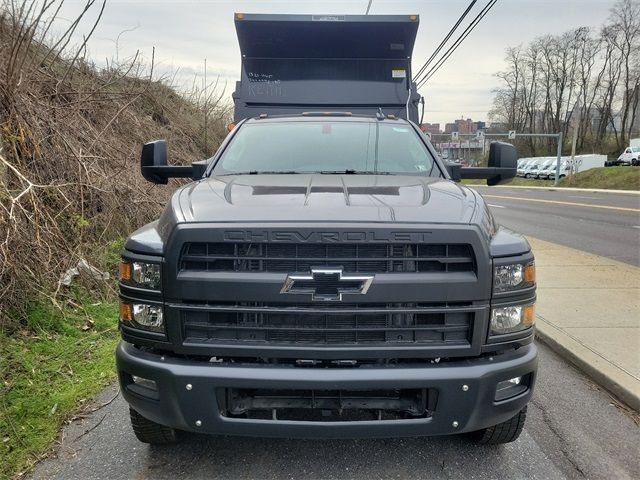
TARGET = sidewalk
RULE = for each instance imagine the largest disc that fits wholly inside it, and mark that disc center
(588, 310)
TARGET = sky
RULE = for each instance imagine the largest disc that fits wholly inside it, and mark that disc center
(184, 33)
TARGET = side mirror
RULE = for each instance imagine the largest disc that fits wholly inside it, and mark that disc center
(503, 165)
(154, 168)
(454, 170)
(502, 156)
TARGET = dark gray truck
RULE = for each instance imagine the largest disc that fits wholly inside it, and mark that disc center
(326, 274)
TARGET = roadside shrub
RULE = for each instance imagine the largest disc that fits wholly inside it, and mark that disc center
(70, 139)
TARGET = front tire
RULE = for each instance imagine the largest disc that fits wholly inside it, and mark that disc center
(504, 432)
(151, 432)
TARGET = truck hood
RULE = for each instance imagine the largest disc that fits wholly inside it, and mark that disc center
(327, 198)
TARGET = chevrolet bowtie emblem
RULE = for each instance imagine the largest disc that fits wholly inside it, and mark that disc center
(327, 284)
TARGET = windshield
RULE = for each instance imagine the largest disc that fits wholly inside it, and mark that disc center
(635, 149)
(326, 147)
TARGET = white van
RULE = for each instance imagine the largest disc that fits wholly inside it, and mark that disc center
(550, 171)
(522, 166)
(535, 172)
(630, 156)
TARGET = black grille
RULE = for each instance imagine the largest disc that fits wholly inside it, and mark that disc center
(351, 257)
(346, 324)
(327, 405)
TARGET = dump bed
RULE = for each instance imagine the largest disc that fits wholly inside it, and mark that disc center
(297, 63)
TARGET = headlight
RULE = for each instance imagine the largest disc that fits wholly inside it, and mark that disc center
(142, 316)
(512, 319)
(140, 274)
(513, 277)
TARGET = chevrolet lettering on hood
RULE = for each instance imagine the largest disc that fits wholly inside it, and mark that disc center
(323, 237)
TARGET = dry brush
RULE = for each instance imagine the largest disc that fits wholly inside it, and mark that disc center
(70, 137)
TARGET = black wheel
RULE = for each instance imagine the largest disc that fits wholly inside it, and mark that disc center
(504, 432)
(151, 432)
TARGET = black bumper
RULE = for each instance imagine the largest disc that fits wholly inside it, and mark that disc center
(470, 409)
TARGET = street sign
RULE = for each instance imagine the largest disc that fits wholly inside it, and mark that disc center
(480, 134)
(454, 135)
(512, 134)
(428, 134)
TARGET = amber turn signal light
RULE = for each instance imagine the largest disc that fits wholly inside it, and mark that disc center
(529, 315)
(125, 270)
(126, 312)
(530, 273)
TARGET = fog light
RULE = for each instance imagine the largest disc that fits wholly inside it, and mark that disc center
(143, 387)
(512, 387)
(145, 382)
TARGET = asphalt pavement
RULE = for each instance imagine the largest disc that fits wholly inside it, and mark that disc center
(574, 430)
(603, 223)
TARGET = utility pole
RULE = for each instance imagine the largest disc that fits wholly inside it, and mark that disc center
(206, 109)
(576, 128)
(559, 158)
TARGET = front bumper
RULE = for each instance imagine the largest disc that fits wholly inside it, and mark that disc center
(179, 407)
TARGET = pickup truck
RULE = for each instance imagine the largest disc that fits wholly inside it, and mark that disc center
(326, 274)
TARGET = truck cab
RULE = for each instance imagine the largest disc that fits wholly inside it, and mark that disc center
(326, 274)
(630, 156)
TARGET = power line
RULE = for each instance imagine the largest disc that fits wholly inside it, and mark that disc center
(443, 42)
(456, 44)
(368, 7)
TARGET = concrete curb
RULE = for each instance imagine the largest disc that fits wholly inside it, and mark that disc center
(552, 188)
(600, 370)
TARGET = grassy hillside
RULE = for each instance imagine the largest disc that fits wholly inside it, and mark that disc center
(614, 178)
(51, 369)
(70, 191)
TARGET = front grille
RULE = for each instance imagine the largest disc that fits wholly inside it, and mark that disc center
(399, 324)
(327, 405)
(351, 257)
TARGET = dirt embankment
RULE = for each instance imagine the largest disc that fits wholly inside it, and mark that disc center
(70, 142)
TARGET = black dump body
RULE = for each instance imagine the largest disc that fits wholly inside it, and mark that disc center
(299, 63)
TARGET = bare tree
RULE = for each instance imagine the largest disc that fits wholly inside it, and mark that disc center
(70, 136)
(625, 36)
(593, 74)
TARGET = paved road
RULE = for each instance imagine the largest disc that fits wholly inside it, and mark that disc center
(606, 224)
(573, 431)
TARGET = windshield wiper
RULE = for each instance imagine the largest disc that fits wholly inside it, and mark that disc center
(350, 171)
(260, 172)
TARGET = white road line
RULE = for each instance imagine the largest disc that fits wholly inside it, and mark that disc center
(581, 196)
(496, 206)
(635, 226)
